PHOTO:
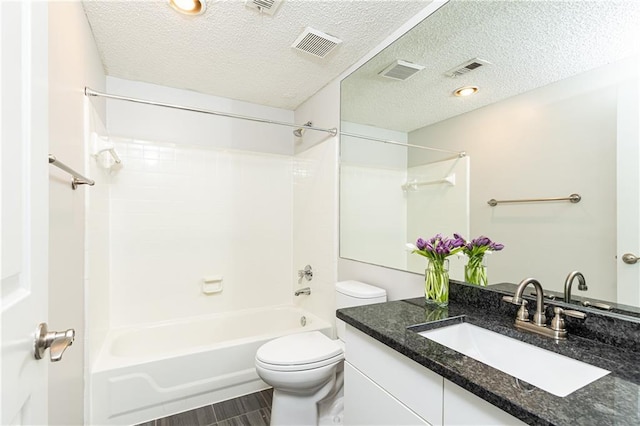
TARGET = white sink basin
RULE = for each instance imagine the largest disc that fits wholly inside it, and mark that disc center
(554, 373)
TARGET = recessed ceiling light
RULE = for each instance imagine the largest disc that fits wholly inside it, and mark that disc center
(189, 7)
(466, 91)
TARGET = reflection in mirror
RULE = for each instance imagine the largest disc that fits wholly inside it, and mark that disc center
(556, 113)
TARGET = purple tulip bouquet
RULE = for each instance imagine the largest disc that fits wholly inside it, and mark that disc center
(475, 271)
(436, 279)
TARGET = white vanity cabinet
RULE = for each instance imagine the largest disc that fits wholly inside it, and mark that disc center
(384, 387)
(464, 408)
(369, 404)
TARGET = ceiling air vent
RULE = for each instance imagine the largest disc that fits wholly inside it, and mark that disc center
(401, 70)
(268, 7)
(468, 66)
(315, 42)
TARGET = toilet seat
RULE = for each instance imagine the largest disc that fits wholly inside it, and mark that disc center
(296, 352)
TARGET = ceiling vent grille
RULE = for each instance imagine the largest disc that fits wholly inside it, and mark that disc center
(401, 70)
(315, 42)
(268, 7)
(468, 66)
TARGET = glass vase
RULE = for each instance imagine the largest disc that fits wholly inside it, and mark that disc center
(436, 282)
(475, 271)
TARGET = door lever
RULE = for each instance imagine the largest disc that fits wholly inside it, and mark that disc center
(56, 341)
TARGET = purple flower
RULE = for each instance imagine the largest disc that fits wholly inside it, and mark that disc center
(496, 247)
(421, 244)
(435, 239)
(438, 247)
(458, 241)
(481, 241)
(477, 247)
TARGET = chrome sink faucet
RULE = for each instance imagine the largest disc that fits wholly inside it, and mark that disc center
(582, 285)
(557, 328)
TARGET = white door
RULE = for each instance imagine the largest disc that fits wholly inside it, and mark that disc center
(24, 208)
(628, 193)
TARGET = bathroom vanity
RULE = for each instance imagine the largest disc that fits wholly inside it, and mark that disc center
(395, 375)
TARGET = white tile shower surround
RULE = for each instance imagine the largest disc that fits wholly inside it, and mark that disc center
(181, 213)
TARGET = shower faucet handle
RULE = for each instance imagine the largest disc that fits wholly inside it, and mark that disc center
(306, 273)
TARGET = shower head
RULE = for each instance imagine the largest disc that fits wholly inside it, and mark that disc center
(300, 131)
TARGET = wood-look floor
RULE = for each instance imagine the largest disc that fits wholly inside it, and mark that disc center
(249, 410)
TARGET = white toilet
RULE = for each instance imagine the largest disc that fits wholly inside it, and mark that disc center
(305, 369)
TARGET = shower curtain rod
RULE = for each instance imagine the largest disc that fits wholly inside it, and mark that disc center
(333, 131)
(90, 92)
(459, 154)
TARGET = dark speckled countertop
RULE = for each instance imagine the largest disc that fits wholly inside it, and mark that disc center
(612, 400)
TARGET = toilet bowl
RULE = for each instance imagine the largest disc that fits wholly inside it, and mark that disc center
(302, 370)
(306, 370)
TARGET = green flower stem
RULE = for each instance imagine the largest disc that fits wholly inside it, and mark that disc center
(436, 283)
(475, 272)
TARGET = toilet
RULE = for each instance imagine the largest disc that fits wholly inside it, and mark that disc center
(306, 370)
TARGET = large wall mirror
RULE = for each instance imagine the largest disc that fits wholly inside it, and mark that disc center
(556, 113)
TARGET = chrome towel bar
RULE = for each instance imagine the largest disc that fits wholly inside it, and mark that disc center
(78, 179)
(573, 198)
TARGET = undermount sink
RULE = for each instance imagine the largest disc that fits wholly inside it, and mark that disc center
(552, 372)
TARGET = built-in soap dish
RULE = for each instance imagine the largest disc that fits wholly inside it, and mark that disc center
(212, 284)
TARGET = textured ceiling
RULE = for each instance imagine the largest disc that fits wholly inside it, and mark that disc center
(235, 52)
(529, 43)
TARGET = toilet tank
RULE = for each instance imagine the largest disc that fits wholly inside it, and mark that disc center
(355, 293)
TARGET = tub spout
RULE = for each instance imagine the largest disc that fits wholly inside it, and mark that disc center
(306, 290)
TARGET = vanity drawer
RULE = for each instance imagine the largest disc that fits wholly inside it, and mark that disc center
(418, 388)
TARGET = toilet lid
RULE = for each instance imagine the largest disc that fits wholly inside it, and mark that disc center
(299, 349)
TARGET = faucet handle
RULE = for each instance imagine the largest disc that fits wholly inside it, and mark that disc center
(306, 273)
(508, 299)
(575, 314)
(557, 323)
(513, 300)
(569, 312)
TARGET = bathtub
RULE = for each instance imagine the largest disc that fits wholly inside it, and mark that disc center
(153, 371)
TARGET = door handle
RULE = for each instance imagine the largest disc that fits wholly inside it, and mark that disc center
(629, 258)
(56, 341)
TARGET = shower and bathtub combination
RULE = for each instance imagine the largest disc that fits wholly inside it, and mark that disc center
(193, 242)
(150, 372)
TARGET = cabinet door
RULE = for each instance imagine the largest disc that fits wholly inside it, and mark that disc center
(366, 403)
(417, 387)
(464, 408)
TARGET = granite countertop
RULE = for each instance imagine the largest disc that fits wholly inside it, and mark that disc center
(612, 399)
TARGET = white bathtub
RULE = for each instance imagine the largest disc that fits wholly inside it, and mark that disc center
(144, 373)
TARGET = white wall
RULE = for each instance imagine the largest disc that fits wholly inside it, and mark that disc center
(323, 109)
(315, 203)
(73, 63)
(441, 208)
(314, 225)
(180, 213)
(97, 259)
(373, 213)
(550, 142)
(160, 124)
